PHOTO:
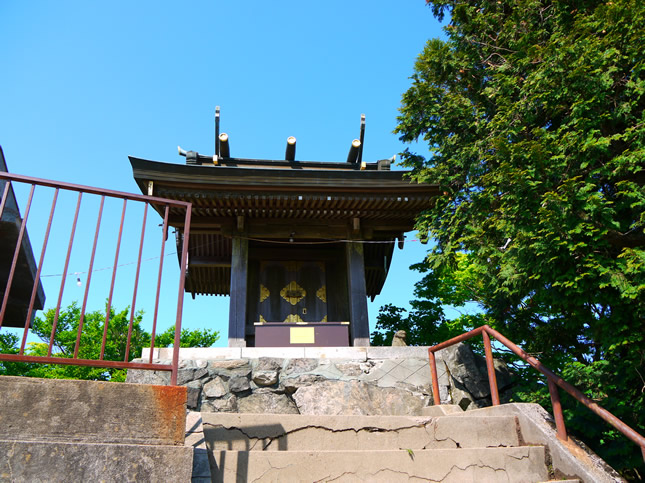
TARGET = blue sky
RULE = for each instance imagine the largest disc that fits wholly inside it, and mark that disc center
(85, 84)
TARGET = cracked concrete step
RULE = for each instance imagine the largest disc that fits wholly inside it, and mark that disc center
(257, 432)
(59, 461)
(519, 465)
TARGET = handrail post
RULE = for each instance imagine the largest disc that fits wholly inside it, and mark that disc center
(557, 410)
(490, 365)
(435, 378)
(553, 380)
(180, 299)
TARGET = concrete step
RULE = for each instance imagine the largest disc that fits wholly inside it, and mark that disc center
(34, 409)
(520, 464)
(283, 432)
(59, 430)
(28, 461)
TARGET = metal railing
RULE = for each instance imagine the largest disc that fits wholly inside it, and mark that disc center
(554, 381)
(163, 206)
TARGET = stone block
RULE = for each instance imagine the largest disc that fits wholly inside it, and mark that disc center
(224, 405)
(203, 353)
(268, 364)
(238, 384)
(229, 368)
(193, 394)
(215, 388)
(26, 461)
(91, 411)
(267, 402)
(291, 384)
(155, 378)
(282, 352)
(298, 366)
(265, 378)
(350, 353)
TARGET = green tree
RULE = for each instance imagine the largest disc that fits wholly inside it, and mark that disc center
(91, 343)
(426, 322)
(533, 114)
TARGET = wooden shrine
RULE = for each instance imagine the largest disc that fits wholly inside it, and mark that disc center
(297, 245)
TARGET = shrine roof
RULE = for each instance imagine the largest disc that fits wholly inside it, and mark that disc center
(279, 175)
(277, 200)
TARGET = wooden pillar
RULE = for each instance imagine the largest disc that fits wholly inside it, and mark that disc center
(239, 280)
(359, 329)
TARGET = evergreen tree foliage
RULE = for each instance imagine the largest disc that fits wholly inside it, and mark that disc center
(533, 114)
(90, 343)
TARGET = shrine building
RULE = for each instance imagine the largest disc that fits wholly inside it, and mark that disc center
(297, 245)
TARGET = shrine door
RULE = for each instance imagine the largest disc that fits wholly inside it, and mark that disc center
(292, 292)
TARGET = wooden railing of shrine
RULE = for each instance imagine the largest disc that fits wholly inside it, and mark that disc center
(80, 194)
(554, 381)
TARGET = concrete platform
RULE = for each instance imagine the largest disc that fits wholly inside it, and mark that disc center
(350, 353)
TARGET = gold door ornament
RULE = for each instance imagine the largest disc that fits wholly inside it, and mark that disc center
(322, 293)
(293, 293)
(264, 293)
(293, 319)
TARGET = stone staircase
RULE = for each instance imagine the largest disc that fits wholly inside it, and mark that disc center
(445, 445)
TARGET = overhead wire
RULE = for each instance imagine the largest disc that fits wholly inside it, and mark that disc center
(285, 242)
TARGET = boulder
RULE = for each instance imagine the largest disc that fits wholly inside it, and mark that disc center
(464, 370)
(265, 378)
(185, 375)
(291, 384)
(229, 368)
(298, 366)
(266, 401)
(215, 388)
(239, 384)
(193, 394)
(268, 364)
(356, 397)
(156, 378)
(223, 405)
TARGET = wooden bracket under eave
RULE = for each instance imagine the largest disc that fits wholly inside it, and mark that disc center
(356, 225)
(150, 187)
(240, 223)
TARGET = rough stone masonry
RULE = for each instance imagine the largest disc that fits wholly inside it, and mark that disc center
(360, 381)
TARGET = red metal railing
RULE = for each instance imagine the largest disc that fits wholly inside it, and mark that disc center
(163, 206)
(553, 381)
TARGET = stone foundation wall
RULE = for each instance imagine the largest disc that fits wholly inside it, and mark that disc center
(365, 381)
